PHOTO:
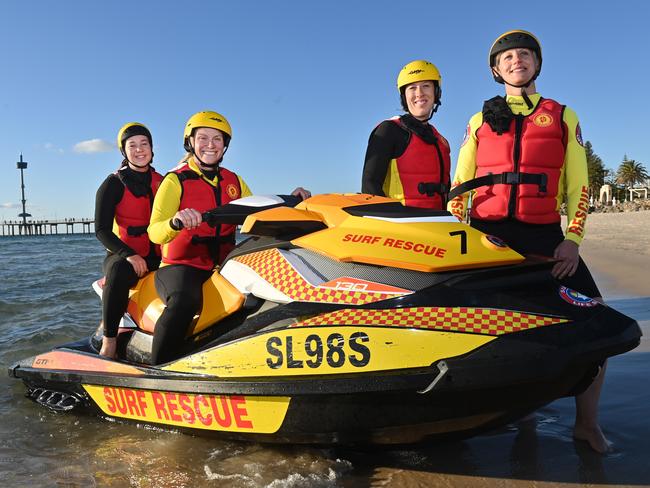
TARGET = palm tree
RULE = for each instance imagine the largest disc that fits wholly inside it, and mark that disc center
(631, 172)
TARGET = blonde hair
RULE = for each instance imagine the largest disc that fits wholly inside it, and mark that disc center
(185, 158)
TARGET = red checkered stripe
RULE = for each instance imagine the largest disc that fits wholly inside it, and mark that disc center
(274, 268)
(487, 321)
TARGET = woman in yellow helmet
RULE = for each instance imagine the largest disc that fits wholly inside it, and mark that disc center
(190, 252)
(521, 155)
(122, 212)
(407, 158)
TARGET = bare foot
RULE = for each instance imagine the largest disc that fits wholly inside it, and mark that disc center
(594, 437)
(109, 347)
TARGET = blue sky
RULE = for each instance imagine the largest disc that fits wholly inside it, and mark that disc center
(303, 83)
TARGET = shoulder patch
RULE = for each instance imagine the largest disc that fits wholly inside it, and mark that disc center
(466, 136)
(579, 134)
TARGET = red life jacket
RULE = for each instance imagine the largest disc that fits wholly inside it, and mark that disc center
(132, 216)
(205, 246)
(535, 143)
(423, 164)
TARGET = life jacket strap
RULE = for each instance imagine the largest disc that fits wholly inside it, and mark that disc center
(505, 178)
(136, 230)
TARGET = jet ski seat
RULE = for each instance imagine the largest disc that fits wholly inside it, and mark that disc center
(220, 299)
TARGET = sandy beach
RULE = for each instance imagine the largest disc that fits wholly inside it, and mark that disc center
(617, 250)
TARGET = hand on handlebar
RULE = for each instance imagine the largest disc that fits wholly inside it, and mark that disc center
(188, 218)
(301, 192)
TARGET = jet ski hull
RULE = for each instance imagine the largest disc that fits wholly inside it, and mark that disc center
(455, 397)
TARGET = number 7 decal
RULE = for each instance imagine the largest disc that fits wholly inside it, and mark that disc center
(463, 240)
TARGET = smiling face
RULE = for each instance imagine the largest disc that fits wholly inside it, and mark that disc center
(138, 152)
(516, 66)
(420, 97)
(208, 145)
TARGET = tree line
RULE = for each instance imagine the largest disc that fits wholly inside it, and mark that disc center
(628, 174)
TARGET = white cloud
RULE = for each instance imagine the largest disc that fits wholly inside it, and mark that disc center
(10, 205)
(93, 146)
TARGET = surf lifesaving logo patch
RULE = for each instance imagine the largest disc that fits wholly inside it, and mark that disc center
(232, 191)
(543, 120)
(575, 298)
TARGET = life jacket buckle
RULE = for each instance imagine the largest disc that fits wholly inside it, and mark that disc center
(511, 178)
(430, 188)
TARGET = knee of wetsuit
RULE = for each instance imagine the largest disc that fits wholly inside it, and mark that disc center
(184, 302)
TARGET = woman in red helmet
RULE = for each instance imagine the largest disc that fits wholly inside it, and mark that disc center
(191, 252)
(407, 158)
(523, 157)
(122, 211)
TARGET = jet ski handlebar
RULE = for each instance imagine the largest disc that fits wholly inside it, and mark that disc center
(236, 211)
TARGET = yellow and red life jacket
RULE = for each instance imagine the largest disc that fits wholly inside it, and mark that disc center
(423, 166)
(205, 246)
(534, 144)
(132, 215)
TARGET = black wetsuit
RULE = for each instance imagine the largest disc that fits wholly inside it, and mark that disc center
(180, 287)
(387, 142)
(120, 275)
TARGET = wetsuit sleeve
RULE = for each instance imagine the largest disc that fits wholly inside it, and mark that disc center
(245, 191)
(107, 198)
(465, 166)
(575, 179)
(165, 205)
(384, 145)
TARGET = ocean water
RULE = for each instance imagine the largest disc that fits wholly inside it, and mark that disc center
(46, 299)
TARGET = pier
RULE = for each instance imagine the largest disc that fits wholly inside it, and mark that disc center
(32, 227)
(47, 227)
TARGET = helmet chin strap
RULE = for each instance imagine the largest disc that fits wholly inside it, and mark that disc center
(128, 161)
(139, 166)
(433, 110)
(436, 104)
(523, 87)
(202, 163)
(524, 95)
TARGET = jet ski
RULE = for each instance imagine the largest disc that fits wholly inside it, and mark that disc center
(346, 319)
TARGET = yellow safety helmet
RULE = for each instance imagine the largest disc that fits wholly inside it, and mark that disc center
(129, 130)
(210, 119)
(511, 40)
(420, 70)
